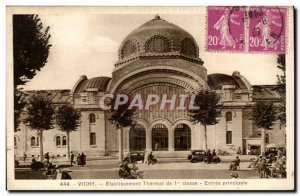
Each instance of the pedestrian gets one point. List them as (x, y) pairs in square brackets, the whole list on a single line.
[(83, 159), (214, 157), (262, 168), (151, 159), (79, 163), (47, 157), (72, 158), (24, 157), (239, 150), (61, 174), (209, 156), (33, 160), (237, 163), (145, 157), (156, 146)]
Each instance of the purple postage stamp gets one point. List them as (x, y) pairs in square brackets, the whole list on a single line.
[(226, 28), (267, 29)]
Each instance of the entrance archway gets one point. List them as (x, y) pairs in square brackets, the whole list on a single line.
[(137, 138), (159, 138), (182, 138)]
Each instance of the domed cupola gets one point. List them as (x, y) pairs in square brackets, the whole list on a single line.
[(158, 37)]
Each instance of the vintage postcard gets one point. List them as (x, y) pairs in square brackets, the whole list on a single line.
[(150, 98)]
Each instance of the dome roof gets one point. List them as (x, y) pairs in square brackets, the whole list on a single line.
[(217, 81), (158, 36), (99, 83)]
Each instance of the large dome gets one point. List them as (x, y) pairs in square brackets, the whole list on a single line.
[(157, 37)]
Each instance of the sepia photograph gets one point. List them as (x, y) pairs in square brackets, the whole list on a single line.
[(150, 98)]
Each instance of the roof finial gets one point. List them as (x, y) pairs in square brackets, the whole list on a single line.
[(157, 17)]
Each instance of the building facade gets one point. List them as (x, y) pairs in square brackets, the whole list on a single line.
[(156, 58)]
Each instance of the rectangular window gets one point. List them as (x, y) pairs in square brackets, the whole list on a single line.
[(228, 137), (15, 141), (92, 138), (64, 141)]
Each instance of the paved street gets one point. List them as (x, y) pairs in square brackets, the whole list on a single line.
[(165, 169)]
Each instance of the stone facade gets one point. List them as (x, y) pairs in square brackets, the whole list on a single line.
[(157, 58)]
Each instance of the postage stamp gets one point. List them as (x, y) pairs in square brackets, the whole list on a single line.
[(225, 28), (177, 102), (267, 29)]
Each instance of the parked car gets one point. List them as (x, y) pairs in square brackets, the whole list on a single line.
[(196, 156), (274, 151), (136, 156), (254, 151)]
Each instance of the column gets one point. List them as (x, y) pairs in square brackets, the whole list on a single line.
[(120, 133), (148, 140), (171, 139), (197, 137), (126, 139)]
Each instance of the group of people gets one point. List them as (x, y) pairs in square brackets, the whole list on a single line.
[(211, 157), (235, 165), (56, 173), (270, 166), (81, 159), (130, 172), (149, 158)]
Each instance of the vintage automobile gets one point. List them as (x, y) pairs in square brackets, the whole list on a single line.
[(274, 151), (135, 157), (196, 156)]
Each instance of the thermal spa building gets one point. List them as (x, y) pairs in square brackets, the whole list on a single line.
[(158, 58)]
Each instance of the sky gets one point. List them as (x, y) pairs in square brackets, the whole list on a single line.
[(87, 44)]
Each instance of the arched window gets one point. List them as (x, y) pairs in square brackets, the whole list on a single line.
[(128, 48), (182, 137), (57, 141), (267, 138), (64, 140), (15, 141), (188, 47), (92, 138), (158, 44), (32, 141), (228, 116), (92, 118), (159, 137)]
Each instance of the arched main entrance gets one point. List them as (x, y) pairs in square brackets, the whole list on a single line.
[(159, 138), (137, 137), (182, 137)]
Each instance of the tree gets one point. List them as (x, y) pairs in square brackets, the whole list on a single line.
[(30, 53), (208, 112), (39, 115), (282, 90), (121, 117), (68, 120), (263, 116)]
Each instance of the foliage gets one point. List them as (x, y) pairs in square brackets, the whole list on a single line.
[(39, 113), (263, 115), (122, 116), (282, 89), (30, 52), (19, 105), (30, 47), (67, 118), (208, 111)]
